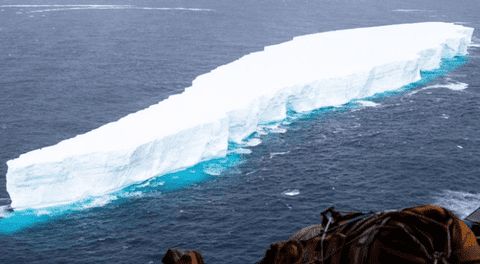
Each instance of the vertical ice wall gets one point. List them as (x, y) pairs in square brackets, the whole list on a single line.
[(228, 103)]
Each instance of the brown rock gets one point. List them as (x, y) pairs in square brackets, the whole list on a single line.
[(179, 256), (421, 234)]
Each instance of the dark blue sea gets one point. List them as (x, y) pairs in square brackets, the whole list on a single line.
[(70, 66)]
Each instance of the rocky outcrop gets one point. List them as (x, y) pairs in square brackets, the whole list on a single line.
[(179, 256), (421, 234)]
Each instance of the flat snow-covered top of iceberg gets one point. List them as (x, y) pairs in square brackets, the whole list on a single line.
[(293, 63)]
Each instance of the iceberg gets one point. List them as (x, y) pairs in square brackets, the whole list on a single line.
[(228, 104)]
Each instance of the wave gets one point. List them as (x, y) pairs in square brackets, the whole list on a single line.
[(454, 86), (462, 203), (411, 10), (97, 7)]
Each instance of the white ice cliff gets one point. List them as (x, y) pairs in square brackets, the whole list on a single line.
[(227, 104)]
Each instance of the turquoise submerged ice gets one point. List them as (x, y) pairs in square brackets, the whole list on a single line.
[(227, 104)]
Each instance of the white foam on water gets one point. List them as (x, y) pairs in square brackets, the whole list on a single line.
[(274, 128), (42, 212), (252, 142), (50, 8), (230, 103), (147, 183), (409, 10), (74, 8), (412, 93), (455, 86), (368, 103), (241, 151), (131, 194), (291, 192), (261, 132), (462, 203), (62, 6), (3, 210), (160, 183), (99, 201), (213, 169), (173, 8), (273, 154), (116, 8), (452, 86), (279, 130)]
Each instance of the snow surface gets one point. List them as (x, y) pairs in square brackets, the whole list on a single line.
[(228, 104)]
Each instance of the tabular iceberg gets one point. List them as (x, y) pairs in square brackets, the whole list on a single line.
[(228, 103)]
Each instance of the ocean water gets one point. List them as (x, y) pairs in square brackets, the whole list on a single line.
[(67, 67)]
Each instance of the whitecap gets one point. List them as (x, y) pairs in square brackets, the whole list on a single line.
[(273, 154), (275, 129), (462, 203), (457, 86), (452, 86), (27, 6), (408, 10), (291, 192), (368, 103), (279, 130), (115, 7), (50, 8)]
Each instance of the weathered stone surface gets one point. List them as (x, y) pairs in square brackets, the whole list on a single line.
[(179, 256), (421, 234)]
